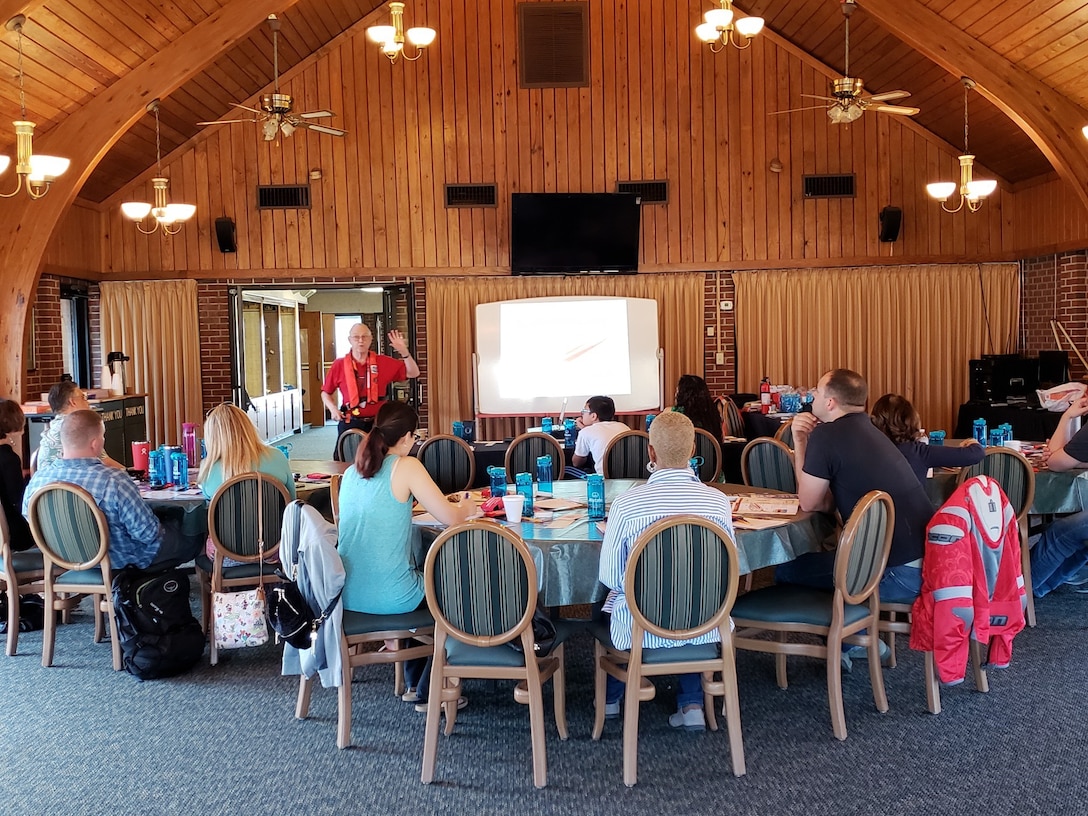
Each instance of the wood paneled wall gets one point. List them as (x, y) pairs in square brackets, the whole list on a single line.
[(659, 106), (76, 246)]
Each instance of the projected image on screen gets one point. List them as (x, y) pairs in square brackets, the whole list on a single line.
[(587, 351)]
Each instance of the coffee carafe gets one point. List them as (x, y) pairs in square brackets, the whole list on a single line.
[(115, 362)]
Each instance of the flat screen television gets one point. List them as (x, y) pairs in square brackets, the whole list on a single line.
[(555, 233)]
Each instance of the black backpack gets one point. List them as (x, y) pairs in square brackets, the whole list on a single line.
[(158, 633)]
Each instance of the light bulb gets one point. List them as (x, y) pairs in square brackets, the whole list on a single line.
[(381, 33), (136, 210), (750, 26), (421, 37), (941, 190), (719, 18)]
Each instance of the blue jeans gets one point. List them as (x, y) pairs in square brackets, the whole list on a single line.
[(899, 584), (1060, 553), (689, 690)]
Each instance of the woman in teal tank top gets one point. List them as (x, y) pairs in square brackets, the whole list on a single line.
[(376, 523)]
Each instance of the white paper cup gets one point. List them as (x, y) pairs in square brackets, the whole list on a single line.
[(513, 506)]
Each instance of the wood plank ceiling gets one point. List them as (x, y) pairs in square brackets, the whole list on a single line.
[(74, 50)]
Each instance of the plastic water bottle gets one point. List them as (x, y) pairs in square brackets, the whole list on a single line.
[(570, 433), (523, 486), (936, 437), (546, 425), (544, 473), (459, 429), (156, 468), (498, 480), (188, 440), (649, 421), (595, 496), (979, 431), (179, 471)]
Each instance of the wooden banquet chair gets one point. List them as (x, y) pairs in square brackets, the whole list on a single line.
[(334, 495), (785, 434), (481, 586), (236, 533), (627, 456), (1012, 470), (74, 538), (20, 572), (768, 463), (523, 451), (708, 448), (450, 461), (852, 610), (681, 583), (732, 421), (349, 443)]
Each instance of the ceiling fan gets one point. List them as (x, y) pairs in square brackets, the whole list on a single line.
[(274, 115), (846, 103)]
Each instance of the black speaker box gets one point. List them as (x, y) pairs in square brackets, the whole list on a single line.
[(891, 219), (225, 234)]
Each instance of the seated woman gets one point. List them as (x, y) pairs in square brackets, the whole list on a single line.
[(12, 483), (896, 418), (376, 526), (694, 400), (233, 449)]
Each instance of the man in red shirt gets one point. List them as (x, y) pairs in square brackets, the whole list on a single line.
[(362, 377)]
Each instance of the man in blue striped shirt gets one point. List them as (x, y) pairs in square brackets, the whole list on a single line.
[(672, 490), (136, 536)]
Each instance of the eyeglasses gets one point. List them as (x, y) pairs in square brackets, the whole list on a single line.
[(354, 337), (586, 411)]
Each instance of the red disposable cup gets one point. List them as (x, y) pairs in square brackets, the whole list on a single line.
[(139, 455)]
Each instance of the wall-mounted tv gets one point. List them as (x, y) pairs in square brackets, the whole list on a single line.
[(556, 233)]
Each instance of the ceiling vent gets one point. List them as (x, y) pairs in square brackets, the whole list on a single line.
[(283, 197), (836, 186), (649, 192), (471, 195), (553, 45)]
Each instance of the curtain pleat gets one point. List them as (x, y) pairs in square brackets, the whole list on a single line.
[(155, 323), (451, 322), (909, 330)]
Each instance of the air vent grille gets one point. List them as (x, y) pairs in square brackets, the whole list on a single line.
[(471, 195), (649, 192), (283, 196), (834, 186), (553, 45)]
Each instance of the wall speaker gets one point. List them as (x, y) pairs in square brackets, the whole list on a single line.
[(227, 237), (891, 219)]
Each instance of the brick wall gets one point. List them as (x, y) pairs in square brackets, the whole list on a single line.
[(721, 378), (1055, 287)]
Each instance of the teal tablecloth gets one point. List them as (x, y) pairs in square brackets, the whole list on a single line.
[(1055, 493)]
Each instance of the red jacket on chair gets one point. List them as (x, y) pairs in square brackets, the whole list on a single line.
[(972, 586)]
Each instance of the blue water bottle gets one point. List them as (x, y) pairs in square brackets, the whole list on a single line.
[(979, 432), (546, 425), (498, 480), (1006, 429), (570, 433), (523, 486), (936, 437), (544, 473), (179, 471), (595, 496), (997, 438), (459, 429), (156, 468), (649, 421)]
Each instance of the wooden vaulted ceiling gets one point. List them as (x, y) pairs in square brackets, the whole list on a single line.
[(74, 50)]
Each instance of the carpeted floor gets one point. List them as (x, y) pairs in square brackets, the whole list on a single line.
[(79, 737), (313, 443)]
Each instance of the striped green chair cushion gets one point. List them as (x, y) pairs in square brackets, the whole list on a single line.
[(785, 435), (733, 419), (704, 447), (235, 517), (449, 464), (681, 577), (866, 554), (523, 453), (348, 444), (481, 583), (1009, 472), (628, 456), (769, 466), (68, 526), (788, 603)]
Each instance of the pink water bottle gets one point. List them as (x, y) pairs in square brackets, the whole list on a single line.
[(188, 441)]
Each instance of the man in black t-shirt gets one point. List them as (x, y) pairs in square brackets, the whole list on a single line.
[(1062, 551), (839, 456)]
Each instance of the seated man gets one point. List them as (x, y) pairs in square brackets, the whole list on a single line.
[(64, 397), (671, 490), (597, 427), (839, 456), (1062, 552), (136, 536)]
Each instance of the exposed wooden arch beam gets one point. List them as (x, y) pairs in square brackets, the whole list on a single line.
[(26, 226), (1052, 121)]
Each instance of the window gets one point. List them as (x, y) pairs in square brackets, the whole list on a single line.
[(75, 333)]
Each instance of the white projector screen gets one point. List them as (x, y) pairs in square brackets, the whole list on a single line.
[(534, 353)]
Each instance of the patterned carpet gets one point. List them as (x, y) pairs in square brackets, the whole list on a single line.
[(78, 737)]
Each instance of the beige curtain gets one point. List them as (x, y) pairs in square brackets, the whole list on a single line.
[(451, 331), (155, 323), (908, 329)]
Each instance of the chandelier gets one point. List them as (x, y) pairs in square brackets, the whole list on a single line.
[(972, 190), (390, 38), (720, 28), (38, 172), (169, 217)]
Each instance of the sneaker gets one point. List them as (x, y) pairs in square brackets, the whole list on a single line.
[(611, 710), (862, 653), (690, 720), (411, 696), (462, 704)]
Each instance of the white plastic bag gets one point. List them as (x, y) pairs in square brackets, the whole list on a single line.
[(1061, 397)]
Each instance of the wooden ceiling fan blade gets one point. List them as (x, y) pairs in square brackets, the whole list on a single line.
[(889, 96), (798, 110), (323, 129), (817, 96), (902, 110), (317, 114), (227, 121), (246, 107)]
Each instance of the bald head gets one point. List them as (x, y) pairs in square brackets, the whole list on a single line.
[(672, 440), (360, 338), (82, 436)]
